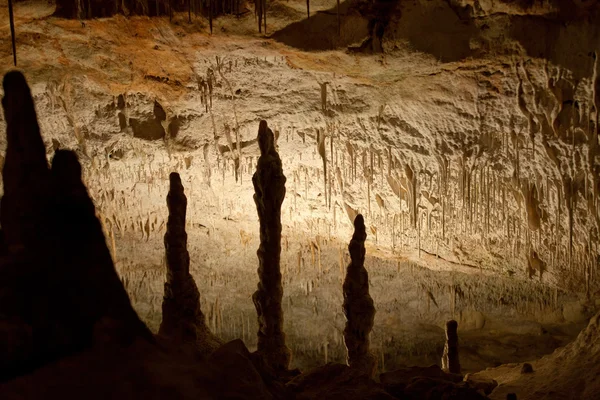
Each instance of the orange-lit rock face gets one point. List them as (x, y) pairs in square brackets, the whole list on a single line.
[(474, 140)]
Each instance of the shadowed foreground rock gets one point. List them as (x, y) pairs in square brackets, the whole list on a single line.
[(59, 291), (25, 174), (95, 301), (269, 187), (358, 304), (450, 362), (183, 320)]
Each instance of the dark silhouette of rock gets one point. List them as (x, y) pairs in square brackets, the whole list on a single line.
[(94, 300), (527, 368), (183, 320), (238, 376), (483, 385), (358, 304), (59, 291), (423, 388), (396, 381), (450, 362), (25, 173), (511, 396), (269, 187), (336, 381)]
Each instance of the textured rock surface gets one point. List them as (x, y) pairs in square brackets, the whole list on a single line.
[(442, 99), (269, 187), (358, 304), (569, 372), (183, 320), (450, 361)]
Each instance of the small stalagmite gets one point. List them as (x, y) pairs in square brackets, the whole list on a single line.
[(358, 304), (269, 187), (450, 361), (183, 320)]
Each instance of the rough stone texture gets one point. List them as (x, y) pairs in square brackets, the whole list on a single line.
[(450, 361), (183, 320), (358, 304), (269, 187)]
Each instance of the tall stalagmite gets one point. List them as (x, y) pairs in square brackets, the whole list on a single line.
[(269, 187), (450, 361), (60, 293), (358, 304), (183, 320), (25, 173)]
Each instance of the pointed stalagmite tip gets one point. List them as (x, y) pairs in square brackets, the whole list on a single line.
[(175, 179), (13, 81), (359, 221), (452, 326), (265, 137)]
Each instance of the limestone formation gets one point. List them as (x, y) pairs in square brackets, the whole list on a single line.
[(450, 362), (358, 304), (269, 187), (60, 291), (183, 320)]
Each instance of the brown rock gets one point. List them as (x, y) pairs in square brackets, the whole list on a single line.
[(358, 304), (269, 187), (527, 368), (483, 385), (183, 320), (336, 381), (395, 381)]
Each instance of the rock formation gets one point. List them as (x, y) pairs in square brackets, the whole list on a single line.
[(269, 187), (183, 320), (83, 255), (60, 291), (450, 361), (25, 173), (358, 304)]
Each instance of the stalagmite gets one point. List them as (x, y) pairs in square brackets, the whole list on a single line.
[(269, 186), (25, 172), (183, 320), (358, 305), (450, 362)]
